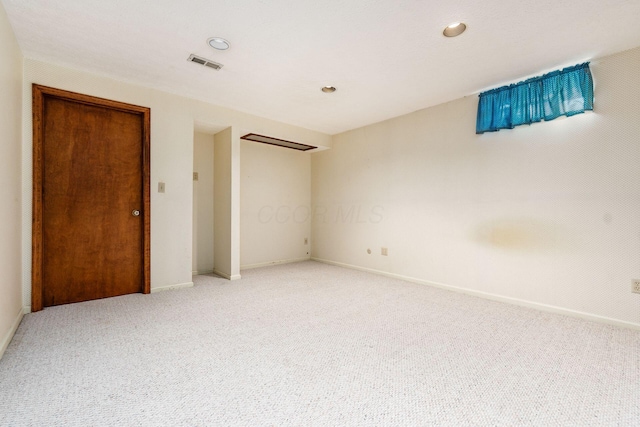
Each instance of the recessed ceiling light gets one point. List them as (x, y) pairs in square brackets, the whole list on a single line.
[(218, 43), (328, 89), (454, 29)]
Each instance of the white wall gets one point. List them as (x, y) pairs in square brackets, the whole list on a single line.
[(203, 201), (547, 214), (222, 205), (275, 203), (10, 190), (172, 127)]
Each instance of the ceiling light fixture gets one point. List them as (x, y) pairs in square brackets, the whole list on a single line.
[(276, 141), (218, 43), (454, 29), (328, 89)]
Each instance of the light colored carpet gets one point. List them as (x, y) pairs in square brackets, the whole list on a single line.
[(309, 344)]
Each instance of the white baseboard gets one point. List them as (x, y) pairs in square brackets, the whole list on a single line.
[(172, 287), (227, 276), (266, 264), (9, 335), (198, 272), (494, 297)]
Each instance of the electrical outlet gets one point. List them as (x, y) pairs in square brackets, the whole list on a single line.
[(636, 286), (195, 176), (161, 187), (385, 251)]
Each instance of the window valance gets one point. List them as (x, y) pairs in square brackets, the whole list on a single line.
[(559, 93)]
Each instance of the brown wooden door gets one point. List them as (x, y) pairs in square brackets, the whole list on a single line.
[(94, 198)]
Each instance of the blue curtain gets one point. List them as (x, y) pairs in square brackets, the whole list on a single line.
[(559, 93)]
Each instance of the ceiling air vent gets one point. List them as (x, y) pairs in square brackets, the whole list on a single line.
[(204, 61), (275, 141)]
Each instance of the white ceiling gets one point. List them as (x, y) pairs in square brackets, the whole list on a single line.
[(386, 57)]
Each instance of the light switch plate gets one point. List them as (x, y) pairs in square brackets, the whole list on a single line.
[(161, 187)]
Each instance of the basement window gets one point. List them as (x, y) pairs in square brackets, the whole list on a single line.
[(560, 93)]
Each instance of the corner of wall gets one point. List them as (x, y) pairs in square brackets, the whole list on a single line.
[(11, 195), (8, 336)]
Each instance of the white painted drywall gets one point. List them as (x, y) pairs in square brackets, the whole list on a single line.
[(275, 203), (548, 213), (222, 205), (226, 224), (172, 126), (10, 190), (203, 201), (235, 203)]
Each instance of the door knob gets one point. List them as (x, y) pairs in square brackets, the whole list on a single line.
[(135, 212)]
